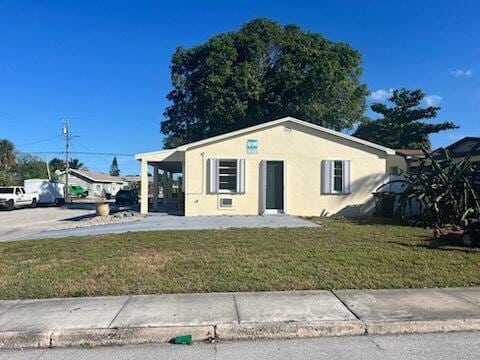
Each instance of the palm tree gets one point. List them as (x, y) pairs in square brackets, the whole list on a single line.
[(76, 164), (7, 155), (56, 164)]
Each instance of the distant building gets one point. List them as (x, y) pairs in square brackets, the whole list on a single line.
[(403, 160), (461, 148), (410, 159), (98, 184)]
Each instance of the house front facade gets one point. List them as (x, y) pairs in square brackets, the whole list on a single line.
[(283, 166)]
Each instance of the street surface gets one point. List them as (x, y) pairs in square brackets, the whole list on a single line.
[(463, 346)]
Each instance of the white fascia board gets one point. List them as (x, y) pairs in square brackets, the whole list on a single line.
[(152, 154)]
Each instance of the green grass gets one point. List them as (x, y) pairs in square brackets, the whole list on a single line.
[(339, 254)]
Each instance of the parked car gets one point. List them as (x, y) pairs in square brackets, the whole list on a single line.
[(78, 191), (12, 197), (126, 197), (49, 192)]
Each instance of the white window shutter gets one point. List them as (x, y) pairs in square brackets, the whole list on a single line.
[(347, 183), (212, 165), (241, 176), (326, 176)]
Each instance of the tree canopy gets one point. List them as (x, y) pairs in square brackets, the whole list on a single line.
[(262, 72), (400, 127), (76, 164), (30, 167), (59, 164), (56, 164)]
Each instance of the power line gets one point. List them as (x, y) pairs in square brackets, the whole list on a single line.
[(80, 153), (40, 141)]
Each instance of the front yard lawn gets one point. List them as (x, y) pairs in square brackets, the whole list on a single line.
[(340, 254)]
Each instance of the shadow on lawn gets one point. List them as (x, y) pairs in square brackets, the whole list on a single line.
[(363, 220), (378, 221), (440, 244)]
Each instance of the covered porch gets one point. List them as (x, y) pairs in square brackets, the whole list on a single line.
[(166, 193)]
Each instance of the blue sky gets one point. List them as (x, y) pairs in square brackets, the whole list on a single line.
[(105, 64)]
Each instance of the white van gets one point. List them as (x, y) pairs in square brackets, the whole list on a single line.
[(49, 191)]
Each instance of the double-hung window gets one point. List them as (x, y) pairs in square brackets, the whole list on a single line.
[(335, 177), (226, 176), (338, 176)]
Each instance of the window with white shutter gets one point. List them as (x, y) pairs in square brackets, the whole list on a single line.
[(336, 177), (226, 175)]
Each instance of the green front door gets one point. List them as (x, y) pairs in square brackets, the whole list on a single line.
[(274, 185)]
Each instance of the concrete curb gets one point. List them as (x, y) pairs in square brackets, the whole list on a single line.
[(249, 331), (24, 339), (421, 326), (288, 330), (101, 337)]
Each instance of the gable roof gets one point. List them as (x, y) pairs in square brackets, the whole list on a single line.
[(96, 176), (453, 148), (410, 152), (273, 123)]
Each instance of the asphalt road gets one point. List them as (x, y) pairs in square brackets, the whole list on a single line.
[(428, 346)]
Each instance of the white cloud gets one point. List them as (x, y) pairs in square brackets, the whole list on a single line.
[(462, 72), (380, 95), (432, 100)]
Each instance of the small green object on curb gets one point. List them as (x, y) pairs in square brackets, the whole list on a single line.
[(183, 339)]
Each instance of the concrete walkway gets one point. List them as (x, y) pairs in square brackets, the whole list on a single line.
[(156, 222), (157, 318)]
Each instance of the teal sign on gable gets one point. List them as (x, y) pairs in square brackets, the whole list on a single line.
[(252, 146)]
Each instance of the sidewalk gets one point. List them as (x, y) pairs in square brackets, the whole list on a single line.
[(157, 318)]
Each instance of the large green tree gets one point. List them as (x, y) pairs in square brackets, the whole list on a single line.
[(262, 72), (30, 167), (400, 126)]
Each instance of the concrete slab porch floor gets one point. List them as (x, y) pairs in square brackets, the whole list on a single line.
[(123, 320), (157, 221)]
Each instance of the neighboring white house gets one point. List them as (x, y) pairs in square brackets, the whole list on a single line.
[(98, 184)]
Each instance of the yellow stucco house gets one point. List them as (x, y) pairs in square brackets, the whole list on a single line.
[(283, 166)]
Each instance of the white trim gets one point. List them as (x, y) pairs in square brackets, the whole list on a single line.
[(273, 212), (153, 153)]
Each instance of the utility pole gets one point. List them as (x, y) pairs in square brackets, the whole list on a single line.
[(48, 168), (66, 134), (68, 137)]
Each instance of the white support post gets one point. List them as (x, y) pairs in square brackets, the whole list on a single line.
[(144, 188), (155, 188)]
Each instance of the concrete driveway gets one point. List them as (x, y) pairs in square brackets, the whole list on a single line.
[(156, 222), (20, 223)]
